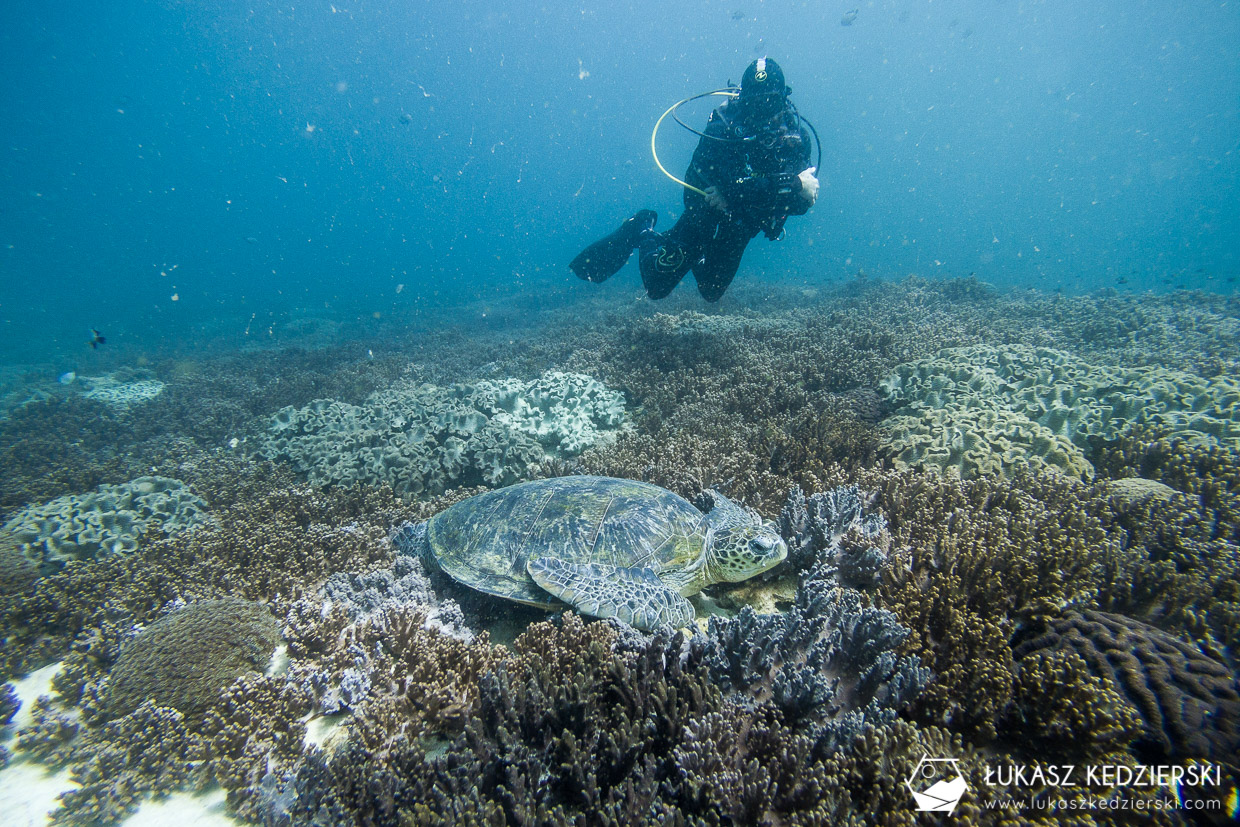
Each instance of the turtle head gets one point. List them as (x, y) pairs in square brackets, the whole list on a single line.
[(738, 544)]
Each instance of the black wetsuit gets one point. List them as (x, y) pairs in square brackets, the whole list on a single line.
[(755, 169)]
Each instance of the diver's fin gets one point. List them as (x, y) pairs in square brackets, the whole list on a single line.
[(635, 595), (604, 258)]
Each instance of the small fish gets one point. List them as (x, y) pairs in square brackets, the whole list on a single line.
[(405, 117), (96, 339), (67, 377), (738, 15), (249, 239), (849, 17)]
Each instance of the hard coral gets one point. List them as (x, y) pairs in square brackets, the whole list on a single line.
[(1188, 700), (970, 558), (184, 659), (60, 446), (147, 751), (255, 727)]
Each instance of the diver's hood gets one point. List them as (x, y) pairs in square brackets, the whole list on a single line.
[(763, 93)]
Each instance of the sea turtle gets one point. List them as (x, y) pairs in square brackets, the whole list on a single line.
[(608, 547)]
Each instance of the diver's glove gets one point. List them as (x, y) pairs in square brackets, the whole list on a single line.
[(715, 199), (809, 185)]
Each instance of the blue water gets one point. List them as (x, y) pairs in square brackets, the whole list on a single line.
[(179, 171)]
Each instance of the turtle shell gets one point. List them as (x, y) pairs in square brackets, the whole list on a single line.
[(484, 542)]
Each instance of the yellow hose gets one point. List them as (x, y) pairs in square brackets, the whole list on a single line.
[(654, 133)]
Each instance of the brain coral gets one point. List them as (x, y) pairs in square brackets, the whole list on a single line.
[(425, 439), (1188, 700), (1006, 409), (184, 659), (109, 520)]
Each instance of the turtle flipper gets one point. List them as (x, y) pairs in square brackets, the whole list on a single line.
[(635, 595)]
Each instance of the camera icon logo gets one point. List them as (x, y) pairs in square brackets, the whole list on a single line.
[(937, 784)]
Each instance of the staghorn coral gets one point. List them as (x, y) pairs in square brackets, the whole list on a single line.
[(51, 738), (425, 684), (281, 542), (968, 559), (254, 728), (9, 703), (570, 729), (1181, 567), (62, 445), (17, 571), (1060, 708), (1188, 701), (184, 659), (41, 626)]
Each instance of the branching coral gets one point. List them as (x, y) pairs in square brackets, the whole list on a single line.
[(969, 559), (255, 727), (147, 751), (828, 665), (61, 446)]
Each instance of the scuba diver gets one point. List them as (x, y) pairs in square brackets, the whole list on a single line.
[(750, 171)]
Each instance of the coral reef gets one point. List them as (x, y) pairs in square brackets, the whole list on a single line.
[(987, 409), (1181, 570), (17, 571), (1188, 700), (121, 393), (9, 703), (271, 541), (422, 440), (61, 445), (570, 728), (115, 767), (828, 665), (816, 526), (184, 659), (405, 584), (50, 739), (810, 716), (256, 727), (110, 520), (969, 558), (1061, 709)]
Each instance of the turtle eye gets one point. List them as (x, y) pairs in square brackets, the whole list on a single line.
[(763, 544)]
